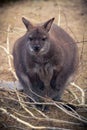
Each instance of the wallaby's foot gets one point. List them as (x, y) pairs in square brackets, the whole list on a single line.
[(57, 98), (43, 108), (70, 107)]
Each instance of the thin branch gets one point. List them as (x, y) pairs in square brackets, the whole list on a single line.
[(6, 51), (15, 127), (68, 25), (21, 121), (59, 16), (82, 92), (74, 114), (46, 119), (74, 95), (23, 106), (82, 50)]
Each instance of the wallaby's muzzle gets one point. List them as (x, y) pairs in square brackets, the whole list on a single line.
[(36, 48)]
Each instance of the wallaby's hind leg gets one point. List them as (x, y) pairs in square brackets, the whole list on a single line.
[(61, 83), (58, 85)]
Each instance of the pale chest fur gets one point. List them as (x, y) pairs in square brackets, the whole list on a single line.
[(45, 72)]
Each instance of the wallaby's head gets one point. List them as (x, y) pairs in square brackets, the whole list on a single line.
[(38, 37)]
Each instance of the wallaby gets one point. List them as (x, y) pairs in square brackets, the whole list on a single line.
[(45, 59)]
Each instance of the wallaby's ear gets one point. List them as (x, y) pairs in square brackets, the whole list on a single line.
[(27, 23), (47, 25)]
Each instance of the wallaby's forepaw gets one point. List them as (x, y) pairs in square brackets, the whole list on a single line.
[(43, 108), (46, 74)]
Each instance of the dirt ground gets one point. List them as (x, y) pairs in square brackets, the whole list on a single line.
[(70, 15)]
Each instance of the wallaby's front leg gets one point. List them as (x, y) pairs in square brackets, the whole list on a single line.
[(27, 85), (25, 82)]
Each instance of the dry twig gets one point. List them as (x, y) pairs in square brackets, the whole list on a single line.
[(82, 92)]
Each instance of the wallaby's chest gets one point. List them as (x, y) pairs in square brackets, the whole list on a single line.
[(37, 68), (44, 71)]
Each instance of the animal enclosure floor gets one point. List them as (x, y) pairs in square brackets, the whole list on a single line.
[(71, 16)]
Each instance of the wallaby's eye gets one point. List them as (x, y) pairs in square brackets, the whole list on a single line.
[(30, 38), (44, 38)]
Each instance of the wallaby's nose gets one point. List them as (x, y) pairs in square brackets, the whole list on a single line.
[(36, 48)]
